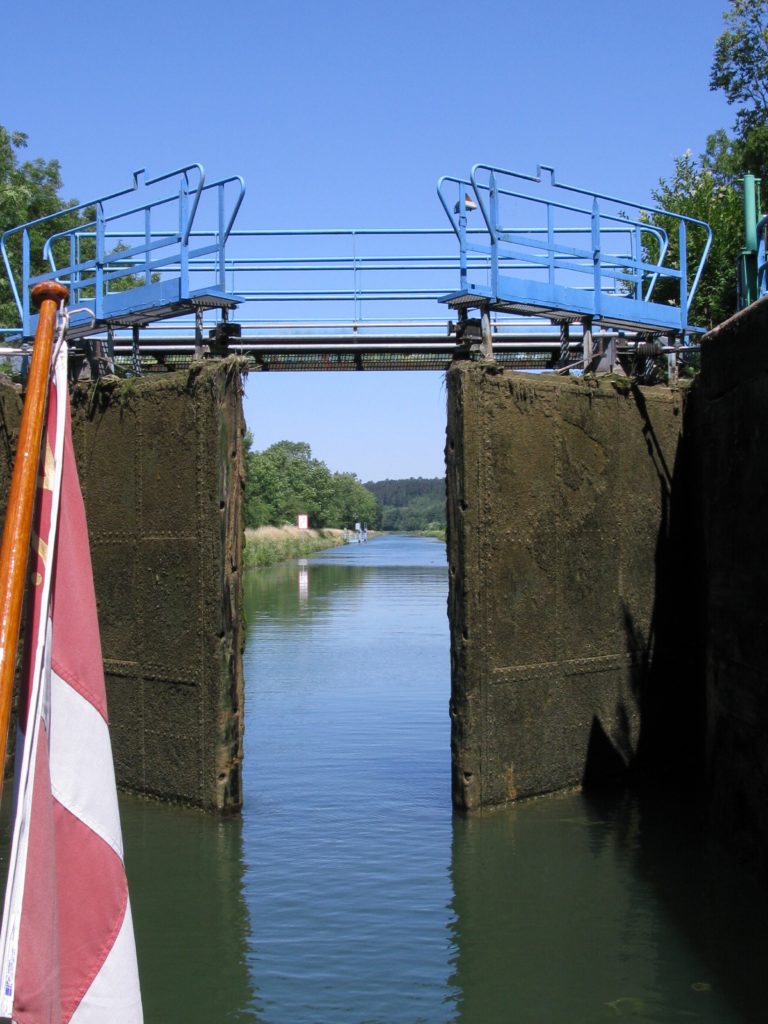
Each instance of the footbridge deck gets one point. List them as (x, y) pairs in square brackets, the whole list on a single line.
[(569, 254), (157, 270)]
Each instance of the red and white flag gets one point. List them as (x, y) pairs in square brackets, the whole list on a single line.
[(67, 951)]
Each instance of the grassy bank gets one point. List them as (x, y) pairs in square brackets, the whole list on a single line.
[(437, 534), (269, 545)]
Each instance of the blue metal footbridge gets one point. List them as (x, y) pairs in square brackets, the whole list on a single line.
[(529, 271)]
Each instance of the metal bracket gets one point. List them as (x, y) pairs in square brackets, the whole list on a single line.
[(588, 351), (565, 344), (135, 351), (222, 336), (201, 349), (486, 343), (469, 337)]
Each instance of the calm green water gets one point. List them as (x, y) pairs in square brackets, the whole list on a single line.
[(349, 894)]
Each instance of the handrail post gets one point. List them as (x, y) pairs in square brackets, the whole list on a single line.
[(493, 196), (26, 315), (220, 251), (184, 228), (683, 247), (17, 530), (463, 269), (98, 302), (551, 244), (596, 259), (147, 242), (74, 258)]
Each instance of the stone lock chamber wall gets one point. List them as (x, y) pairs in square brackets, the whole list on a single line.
[(566, 499), (161, 468), (608, 585), (160, 460)]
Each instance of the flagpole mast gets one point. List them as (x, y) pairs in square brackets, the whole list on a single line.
[(17, 531)]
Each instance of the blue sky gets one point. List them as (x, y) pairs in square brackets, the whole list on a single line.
[(344, 114)]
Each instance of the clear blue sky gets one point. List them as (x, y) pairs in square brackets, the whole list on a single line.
[(345, 114)]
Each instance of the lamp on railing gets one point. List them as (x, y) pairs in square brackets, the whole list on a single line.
[(469, 204)]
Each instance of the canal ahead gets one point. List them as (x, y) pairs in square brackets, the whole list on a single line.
[(349, 894)]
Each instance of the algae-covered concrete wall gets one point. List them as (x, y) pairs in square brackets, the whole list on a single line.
[(10, 418), (732, 400), (160, 462), (564, 499)]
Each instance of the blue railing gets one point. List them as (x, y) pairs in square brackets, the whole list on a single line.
[(150, 242), (360, 281), (132, 263), (602, 259), (357, 281), (762, 262)]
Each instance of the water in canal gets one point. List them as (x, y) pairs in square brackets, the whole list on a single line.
[(350, 894)]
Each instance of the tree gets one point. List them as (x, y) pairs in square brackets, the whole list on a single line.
[(740, 64), (284, 480), (694, 190), (28, 190), (740, 70), (710, 187)]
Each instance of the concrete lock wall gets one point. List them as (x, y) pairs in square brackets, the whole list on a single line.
[(566, 499), (10, 418), (161, 467)]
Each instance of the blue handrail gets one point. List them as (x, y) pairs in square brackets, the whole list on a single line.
[(370, 279), (548, 269), (762, 262), (96, 259)]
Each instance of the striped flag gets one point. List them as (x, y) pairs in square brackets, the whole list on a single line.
[(67, 950)]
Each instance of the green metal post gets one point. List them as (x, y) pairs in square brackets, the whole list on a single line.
[(749, 252)]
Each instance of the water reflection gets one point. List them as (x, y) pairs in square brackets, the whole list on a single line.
[(185, 872), (706, 897), (347, 819), (579, 908), (348, 893)]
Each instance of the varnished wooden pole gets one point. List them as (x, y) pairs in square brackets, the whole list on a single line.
[(17, 531)]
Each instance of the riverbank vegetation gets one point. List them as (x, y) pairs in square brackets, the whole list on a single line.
[(438, 534), (268, 545), (285, 481)]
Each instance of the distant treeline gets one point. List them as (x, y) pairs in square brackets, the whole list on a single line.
[(284, 481), (412, 504)]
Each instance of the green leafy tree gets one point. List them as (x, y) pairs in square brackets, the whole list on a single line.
[(710, 187), (740, 70), (740, 63), (28, 189), (350, 502), (696, 191), (284, 480), (31, 189)]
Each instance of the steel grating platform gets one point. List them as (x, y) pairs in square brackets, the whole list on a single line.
[(332, 362)]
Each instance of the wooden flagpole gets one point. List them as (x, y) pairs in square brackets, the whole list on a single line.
[(17, 531)]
